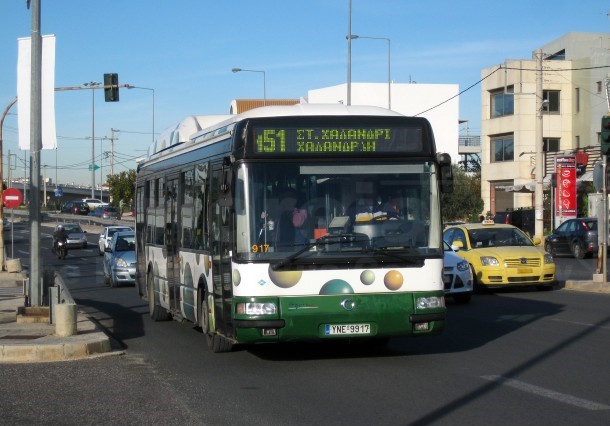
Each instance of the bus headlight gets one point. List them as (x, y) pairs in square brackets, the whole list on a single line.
[(256, 308), (430, 302)]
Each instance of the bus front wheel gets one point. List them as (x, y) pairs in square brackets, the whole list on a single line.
[(215, 341)]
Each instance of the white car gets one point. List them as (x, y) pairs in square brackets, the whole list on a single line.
[(93, 203), (107, 234), (457, 276)]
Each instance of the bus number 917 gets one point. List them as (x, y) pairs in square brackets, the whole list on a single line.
[(260, 248)]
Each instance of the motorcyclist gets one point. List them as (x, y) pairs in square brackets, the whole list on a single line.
[(60, 234)]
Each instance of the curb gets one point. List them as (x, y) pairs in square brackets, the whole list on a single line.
[(37, 342), (588, 286)]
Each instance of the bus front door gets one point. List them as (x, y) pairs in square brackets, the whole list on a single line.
[(220, 237)]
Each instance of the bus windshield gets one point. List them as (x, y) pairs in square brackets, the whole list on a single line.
[(335, 211)]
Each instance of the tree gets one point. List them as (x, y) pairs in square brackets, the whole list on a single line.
[(465, 202), (122, 188)]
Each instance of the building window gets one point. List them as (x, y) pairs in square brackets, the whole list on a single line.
[(502, 148), (502, 102), (577, 96), (550, 144), (552, 96), (599, 86)]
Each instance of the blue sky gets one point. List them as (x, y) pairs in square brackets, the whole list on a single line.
[(185, 51)]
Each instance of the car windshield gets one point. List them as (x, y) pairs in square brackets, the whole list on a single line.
[(497, 237), (113, 231), (72, 228), (125, 243)]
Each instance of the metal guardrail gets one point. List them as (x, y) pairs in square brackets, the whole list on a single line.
[(126, 220)]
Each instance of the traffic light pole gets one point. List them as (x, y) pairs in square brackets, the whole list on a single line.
[(603, 230)]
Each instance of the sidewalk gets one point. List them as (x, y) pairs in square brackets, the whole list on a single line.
[(30, 337)]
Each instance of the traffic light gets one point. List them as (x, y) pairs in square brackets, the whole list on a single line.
[(111, 87), (605, 136)]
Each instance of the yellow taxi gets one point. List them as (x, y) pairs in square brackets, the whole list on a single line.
[(501, 255)]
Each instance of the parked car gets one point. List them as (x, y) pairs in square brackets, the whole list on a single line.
[(502, 255), (94, 202), (524, 219), (576, 237), (77, 238), (120, 259), (457, 276), (105, 212), (75, 207), (107, 234)]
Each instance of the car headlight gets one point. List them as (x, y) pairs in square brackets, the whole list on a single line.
[(462, 266), (548, 258), (255, 308), (489, 261), (429, 302), (121, 263)]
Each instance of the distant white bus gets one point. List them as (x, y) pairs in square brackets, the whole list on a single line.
[(253, 227)]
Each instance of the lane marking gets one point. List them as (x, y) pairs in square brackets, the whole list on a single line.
[(584, 324), (547, 393)]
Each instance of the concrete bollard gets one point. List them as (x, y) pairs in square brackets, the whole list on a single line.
[(65, 319), (13, 265)]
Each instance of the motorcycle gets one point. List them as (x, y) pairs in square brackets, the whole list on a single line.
[(61, 250)]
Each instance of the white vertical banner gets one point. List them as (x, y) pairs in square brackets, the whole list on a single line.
[(47, 87)]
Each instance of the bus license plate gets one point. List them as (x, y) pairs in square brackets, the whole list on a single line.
[(342, 329)]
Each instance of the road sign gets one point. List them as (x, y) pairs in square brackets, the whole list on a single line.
[(59, 192), (12, 197), (95, 167)]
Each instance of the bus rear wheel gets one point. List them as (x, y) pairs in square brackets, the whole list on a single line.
[(157, 313), (215, 342)]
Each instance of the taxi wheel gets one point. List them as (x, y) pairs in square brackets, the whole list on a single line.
[(577, 251)]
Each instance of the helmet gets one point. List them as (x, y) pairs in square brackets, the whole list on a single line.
[(60, 227)]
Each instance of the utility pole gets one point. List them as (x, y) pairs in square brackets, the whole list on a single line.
[(112, 151), (539, 223), (35, 285)]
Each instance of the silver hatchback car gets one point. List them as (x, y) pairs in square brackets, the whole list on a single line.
[(120, 259)]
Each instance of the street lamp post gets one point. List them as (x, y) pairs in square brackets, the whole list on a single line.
[(349, 54), (92, 85), (353, 37), (264, 81)]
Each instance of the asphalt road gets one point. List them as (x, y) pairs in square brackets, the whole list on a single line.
[(508, 358)]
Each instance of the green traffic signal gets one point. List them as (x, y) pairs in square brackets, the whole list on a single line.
[(111, 87), (605, 136)]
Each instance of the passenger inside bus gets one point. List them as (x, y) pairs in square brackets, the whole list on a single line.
[(292, 224)]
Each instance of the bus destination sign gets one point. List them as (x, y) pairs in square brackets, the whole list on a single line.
[(336, 140)]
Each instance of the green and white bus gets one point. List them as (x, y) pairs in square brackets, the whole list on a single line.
[(256, 226)]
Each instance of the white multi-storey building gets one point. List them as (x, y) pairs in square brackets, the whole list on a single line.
[(574, 73)]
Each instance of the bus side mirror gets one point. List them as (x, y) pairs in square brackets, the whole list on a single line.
[(446, 172), (225, 198)]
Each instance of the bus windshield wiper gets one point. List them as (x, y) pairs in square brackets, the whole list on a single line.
[(296, 254), (410, 260), (325, 239)]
